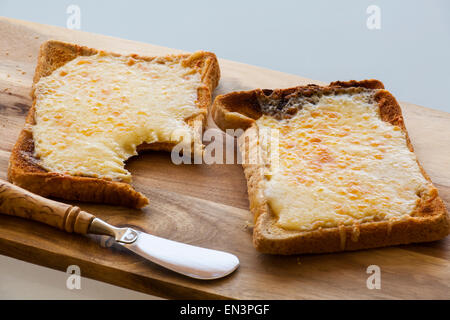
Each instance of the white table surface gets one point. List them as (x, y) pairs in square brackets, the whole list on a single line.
[(324, 40), (23, 280)]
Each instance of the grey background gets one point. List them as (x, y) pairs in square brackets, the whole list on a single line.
[(323, 39)]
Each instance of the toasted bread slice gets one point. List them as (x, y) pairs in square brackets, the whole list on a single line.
[(28, 172), (427, 220)]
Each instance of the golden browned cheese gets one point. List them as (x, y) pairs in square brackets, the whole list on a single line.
[(339, 164), (94, 111)]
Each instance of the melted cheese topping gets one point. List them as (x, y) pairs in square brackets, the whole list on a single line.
[(94, 111), (340, 164)]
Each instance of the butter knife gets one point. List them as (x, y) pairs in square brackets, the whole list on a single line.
[(192, 261)]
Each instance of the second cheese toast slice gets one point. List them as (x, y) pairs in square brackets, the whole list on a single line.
[(331, 169), (92, 110)]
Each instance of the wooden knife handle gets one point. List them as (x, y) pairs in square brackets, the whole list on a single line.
[(19, 202)]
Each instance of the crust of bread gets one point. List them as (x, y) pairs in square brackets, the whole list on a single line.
[(430, 221), (23, 169)]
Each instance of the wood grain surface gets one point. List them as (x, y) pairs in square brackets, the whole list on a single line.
[(207, 205)]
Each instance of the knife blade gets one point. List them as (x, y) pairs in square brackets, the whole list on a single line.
[(192, 261), (189, 260)]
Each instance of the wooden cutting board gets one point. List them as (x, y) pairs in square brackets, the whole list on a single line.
[(207, 205)]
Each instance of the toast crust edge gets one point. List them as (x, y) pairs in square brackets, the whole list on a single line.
[(430, 221), (23, 169)]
